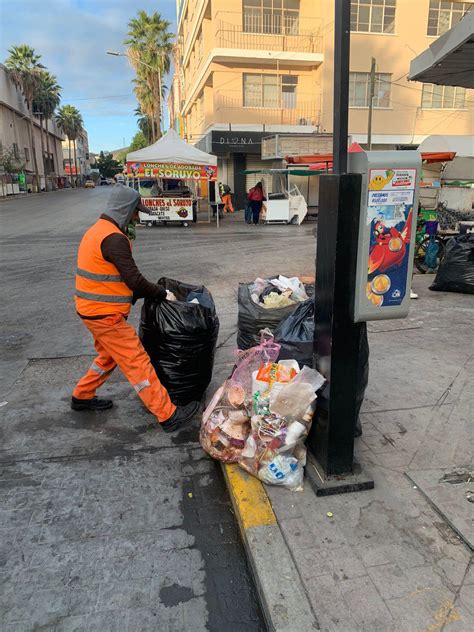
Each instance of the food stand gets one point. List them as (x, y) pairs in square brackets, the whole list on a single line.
[(167, 174), (283, 201)]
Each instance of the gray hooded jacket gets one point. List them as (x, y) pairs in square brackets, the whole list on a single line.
[(121, 204), (116, 248)]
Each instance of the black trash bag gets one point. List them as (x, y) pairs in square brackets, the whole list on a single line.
[(295, 334), (362, 375), (180, 338), (456, 270), (252, 318)]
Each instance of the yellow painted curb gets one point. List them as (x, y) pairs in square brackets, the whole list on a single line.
[(249, 497)]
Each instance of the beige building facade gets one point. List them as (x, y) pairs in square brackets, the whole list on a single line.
[(15, 136), (249, 69)]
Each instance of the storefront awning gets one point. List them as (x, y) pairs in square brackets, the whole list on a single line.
[(449, 61)]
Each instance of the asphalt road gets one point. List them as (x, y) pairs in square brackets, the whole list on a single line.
[(107, 523), (40, 235)]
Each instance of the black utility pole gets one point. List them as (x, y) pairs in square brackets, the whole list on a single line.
[(342, 43), (337, 337)]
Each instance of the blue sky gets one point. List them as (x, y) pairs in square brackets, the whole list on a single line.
[(73, 36)]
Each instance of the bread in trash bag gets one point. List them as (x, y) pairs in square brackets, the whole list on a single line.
[(225, 424)]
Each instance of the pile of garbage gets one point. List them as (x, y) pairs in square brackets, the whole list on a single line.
[(456, 270), (275, 293), (264, 303), (261, 415)]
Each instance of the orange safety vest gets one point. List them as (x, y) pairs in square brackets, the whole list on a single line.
[(99, 287)]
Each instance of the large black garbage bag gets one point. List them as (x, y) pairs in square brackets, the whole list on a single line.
[(252, 318), (456, 270), (295, 334), (180, 338)]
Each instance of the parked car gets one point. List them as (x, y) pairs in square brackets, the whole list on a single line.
[(110, 181), (103, 182), (89, 184)]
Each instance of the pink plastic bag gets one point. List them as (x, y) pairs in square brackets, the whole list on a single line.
[(252, 359)]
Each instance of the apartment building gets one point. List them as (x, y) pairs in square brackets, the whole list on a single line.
[(15, 135), (251, 69), (83, 164)]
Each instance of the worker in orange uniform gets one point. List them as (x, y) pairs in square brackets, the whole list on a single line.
[(226, 197), (107, 283)]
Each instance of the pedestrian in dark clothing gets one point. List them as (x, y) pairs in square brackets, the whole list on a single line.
[(255, 198)]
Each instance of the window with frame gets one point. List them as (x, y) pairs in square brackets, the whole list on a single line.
[(269, 91), (27, 154), (442, 97), (16, 152), (274, 17), (444, 15), (359, 90), (373, 16)]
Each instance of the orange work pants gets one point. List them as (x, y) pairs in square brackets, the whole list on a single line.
[(227, 202), (117, 343)]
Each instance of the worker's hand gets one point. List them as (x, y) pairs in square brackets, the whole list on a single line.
[(170, 296)]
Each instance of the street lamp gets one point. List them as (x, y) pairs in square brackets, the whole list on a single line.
[(157, 70)]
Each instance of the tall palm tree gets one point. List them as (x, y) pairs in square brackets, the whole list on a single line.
[(69, 120), (45, 102), (150, 42), (24, 68)]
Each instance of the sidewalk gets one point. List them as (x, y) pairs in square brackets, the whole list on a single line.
[(388, 561)]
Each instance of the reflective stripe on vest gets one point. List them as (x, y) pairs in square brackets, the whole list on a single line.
[(98, 277), (104, 298), (100, 289)]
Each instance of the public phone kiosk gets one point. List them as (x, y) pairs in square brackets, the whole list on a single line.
[(387, 228)]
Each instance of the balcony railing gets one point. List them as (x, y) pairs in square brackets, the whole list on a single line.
[(259, 35), (230, 108)]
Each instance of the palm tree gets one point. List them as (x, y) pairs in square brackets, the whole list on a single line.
[(149, 49), (145, 124), (45, 102), (24, 68), (69, 120)]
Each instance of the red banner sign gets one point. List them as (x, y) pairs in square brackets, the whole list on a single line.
[(171, 171)]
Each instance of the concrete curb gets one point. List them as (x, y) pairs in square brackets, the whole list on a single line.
[(282, 595)]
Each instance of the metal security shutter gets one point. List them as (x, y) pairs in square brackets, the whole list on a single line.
[(225, 171), (253, 163)]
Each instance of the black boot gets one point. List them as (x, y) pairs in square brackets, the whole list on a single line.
[(180, 417), (91, 404)]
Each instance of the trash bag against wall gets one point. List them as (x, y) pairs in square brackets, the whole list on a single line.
[(295, 334), (253, 318), (180, 337), (456, 270)]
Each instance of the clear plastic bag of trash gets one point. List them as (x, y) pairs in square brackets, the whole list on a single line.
[(292, 400), (293, 284), (225, 424), (283, 401)]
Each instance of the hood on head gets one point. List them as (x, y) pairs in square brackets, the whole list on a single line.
[(121, 204)]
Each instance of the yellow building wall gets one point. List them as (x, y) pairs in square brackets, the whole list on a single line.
[(393, 54)]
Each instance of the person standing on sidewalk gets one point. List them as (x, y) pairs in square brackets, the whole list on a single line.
[(108, 282), (255, 197)]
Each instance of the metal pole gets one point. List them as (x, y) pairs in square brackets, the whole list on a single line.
[(342, 34), (337, 339), (371, 104)]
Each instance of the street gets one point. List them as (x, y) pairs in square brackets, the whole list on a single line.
[(107, 523)]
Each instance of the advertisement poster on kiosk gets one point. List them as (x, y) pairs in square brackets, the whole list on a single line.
[(390, 214)]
